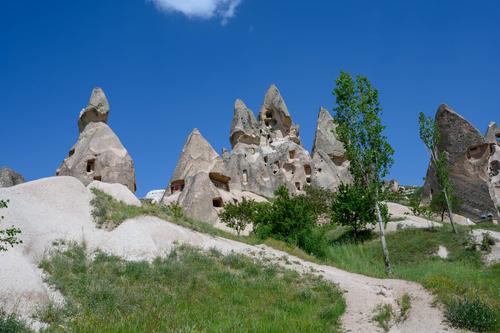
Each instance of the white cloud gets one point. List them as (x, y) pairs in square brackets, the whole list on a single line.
[(205, 9)]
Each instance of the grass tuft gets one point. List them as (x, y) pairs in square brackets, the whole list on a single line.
[(10, 324), (383, 316), (472, 314)]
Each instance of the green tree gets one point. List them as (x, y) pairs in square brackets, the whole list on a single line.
[(438, 204), (353, 206), (430, 136), (320, 200), (238, 215), (357, 115), (8, 236)]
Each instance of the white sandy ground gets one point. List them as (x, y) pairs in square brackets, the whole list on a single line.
[(57, 208)]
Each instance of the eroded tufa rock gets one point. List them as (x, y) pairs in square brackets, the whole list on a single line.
[(470, 156), (9, 177), (98, 154)]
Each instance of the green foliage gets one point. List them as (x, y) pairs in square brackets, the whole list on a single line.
[(319, 199), (405, 306), (383, 316), (8, 237), (487, 242), (359, 126), (353, 206), (188, 291), (438, 203), (238, 215), (288, 218), (472, 314), (10, 324), (415, 200), (176, 210)]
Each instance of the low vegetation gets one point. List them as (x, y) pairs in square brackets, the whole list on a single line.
[(383, 316), (188, 291), (9, 236), (10, 324)]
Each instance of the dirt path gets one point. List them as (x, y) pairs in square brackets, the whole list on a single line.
[(52, 209)]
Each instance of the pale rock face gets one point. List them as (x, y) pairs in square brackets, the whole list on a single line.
[(154, 195), (9, 177), (331, 166), (266, 154), (470, 157), (200, 183), (98, 154), (96, 111)]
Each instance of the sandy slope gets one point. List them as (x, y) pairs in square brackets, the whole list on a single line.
[(58, 208)]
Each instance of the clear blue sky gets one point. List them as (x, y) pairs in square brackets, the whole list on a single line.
[(168, 71)]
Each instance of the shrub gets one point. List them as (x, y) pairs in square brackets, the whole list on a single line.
[(487, 242), (238, 215), (288, 218), (176, 210), (8, 236), (471, 313)]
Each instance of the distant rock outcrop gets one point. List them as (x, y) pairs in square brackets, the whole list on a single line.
[(472, 160), (98, 154), (266, 153), (9, 177)]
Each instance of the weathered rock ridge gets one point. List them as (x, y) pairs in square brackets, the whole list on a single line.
[(474, 162), (266, 153), (9, 177), (98, 154)]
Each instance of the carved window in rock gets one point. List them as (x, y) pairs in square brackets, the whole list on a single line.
[(219, 180), (71, 152), (477, 152), (291, 154), (290, 168), (245, 177), (497, 136), (91, 165), (298, 186), (98, 178), (218, 202), (276, 167), (177, 185)]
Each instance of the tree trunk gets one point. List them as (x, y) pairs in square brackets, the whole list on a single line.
[(450, 213), (385, 251)]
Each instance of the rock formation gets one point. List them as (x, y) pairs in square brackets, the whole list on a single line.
[(266, 153), (200, 183), (473, 159), (98, 154), (9, 177)]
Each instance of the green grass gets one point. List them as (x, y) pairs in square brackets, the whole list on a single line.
[(487, 226), (10, 324), (383, 316), (189, 291), (412, 256)]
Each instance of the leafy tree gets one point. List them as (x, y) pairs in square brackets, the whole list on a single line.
[(438, 204), (238, 215), (8, 236), (320, 200), (414, 201), (353, 206), (430, 136), (357, 114)]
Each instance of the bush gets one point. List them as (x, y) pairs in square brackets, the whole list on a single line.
[(288, 218), (383, 316), (472, 314), (487, 242)]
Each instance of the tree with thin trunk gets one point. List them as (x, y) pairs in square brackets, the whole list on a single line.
[(357, 115), (430, 136), (8, 236)]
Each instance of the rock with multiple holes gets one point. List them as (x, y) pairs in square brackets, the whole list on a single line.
[(200, 183), (266, 153), (9, 177), (98, 154), (473, 159)]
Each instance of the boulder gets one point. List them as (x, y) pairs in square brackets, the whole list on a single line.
[(96, 111), (468, 154), (117, 191), (98, 154), (154, 195), (9, 177)]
